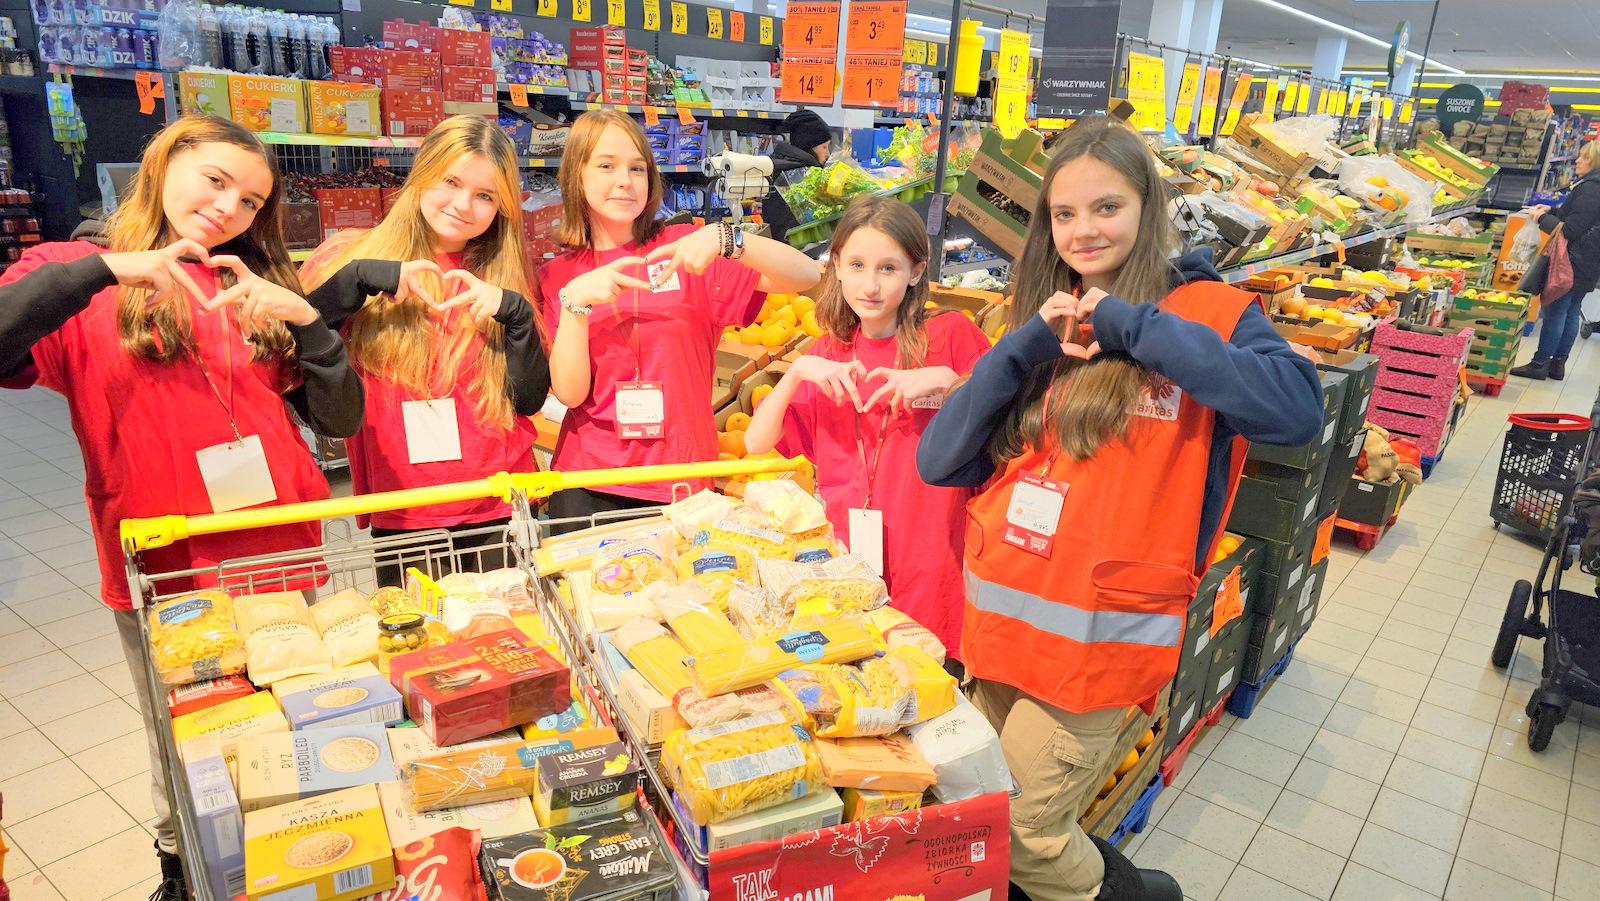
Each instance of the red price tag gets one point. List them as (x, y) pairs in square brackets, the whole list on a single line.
[(685, 115), (872, 81), (876, 28), (651, 117), (151, 87), (1230, 602), (807, 81), (736, 26), (519, 94)]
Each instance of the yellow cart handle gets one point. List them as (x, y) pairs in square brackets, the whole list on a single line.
[(161, 531)]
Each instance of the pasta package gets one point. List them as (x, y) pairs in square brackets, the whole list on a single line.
[(756, 613), (849, 579), (193, 637), (818, 549), (881, 763), (493, 773), (716, 567), (894, 629), (881, 696), (785, 506), (760, 542), (732, 769), (698, 512), (348, 626), (625, 567), (280, 638), (658, 657), (964, 751), (755, 662), (476, 614), (699, 625)]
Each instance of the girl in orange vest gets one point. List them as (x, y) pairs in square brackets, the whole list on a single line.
[(1107, 429)]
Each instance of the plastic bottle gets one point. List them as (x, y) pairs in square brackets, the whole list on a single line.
[(316, 50), (277, 44), (256, 28), (225, 25), (210, 48)]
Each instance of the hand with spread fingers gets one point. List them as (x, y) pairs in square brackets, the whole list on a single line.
[(411, 285), (901, 387), (481, 299), (260, 302), (694, 253), (604, 284), (159, 271), (1075, 312), (835, 379)]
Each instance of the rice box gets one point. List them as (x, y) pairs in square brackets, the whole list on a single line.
[(576, 785), (467, 689), (228, 722), (409, 743), (333, 847), (492, 819), (264, 103), (279, 768), (346, 696), (350, 110), (204, 94), (219, 823), (612, 857)]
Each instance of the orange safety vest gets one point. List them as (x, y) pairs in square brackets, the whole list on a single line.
[(1099, 623)]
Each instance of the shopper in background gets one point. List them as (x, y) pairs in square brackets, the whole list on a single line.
[(637, 311), (809, 146), (858, 400), (1579, 219), (176, 349), (1104, 427), (436, 316)]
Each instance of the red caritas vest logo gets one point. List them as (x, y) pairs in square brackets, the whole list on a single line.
[(1159, 399)]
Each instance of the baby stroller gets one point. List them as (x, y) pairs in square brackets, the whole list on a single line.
[(1571, 635)]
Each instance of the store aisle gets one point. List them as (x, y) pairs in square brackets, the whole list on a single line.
[(1390, 762)]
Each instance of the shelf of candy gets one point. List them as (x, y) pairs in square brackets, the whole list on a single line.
[(762, 670)]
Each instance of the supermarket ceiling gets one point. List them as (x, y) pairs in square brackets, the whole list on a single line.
[(1474, 35)]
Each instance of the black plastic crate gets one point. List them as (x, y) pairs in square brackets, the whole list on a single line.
[(1282, 557), (1362, 368), (1539, 471), (1315, 452), (1373, 503), (1268, 643), (1341, 468), (1227, 649), (1261, 511)]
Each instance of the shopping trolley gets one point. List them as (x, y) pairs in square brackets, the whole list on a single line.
[(347, 561), (1571, 636), (1541, 464)]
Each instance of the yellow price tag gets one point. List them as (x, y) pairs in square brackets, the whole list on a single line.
[(766, 30), (617, 13), (460, 2), (580, 10), (547, 8), (713, 22), (503, 6), (680, 18), (652, 15)]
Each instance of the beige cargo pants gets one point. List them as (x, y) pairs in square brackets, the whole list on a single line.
[(1059, 760)]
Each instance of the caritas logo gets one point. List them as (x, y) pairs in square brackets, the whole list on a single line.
[(1159, 399)]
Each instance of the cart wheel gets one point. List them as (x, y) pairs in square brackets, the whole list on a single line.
[(1511, 626), (1541, 725), (1585, 329)]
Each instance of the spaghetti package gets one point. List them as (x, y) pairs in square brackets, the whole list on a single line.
[(659, 657), (849, 579), (280, 638), (754, 662), (699, 625), (736, 768), (697, 512), (492, 773), (879, 697), (894, 629), (716, 567), (785, 507), (475, 614), (348, 626), (193, 637)]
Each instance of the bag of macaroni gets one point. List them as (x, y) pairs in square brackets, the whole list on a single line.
[(946, 852)]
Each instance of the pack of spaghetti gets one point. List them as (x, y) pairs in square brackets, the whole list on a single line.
[(494, 772), (716, 566), (849, 579), (894, 629), (659, 657), (754, 662), (193, 637), (878, 697), (697, 622), (728, 770), (785, 507)]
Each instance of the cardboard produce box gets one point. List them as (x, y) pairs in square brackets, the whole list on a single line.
[(204, 94), (262, 103), (411, 114), (1266, 148), (345, 109)]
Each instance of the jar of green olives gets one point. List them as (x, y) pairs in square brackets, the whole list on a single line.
[(399, 633)]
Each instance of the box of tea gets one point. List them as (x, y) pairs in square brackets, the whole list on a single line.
[(611, 857), (467, 689)]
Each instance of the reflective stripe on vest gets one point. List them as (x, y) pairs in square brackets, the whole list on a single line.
[(1082, 626)]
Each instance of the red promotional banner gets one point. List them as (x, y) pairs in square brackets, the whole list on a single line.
[(948, 852)]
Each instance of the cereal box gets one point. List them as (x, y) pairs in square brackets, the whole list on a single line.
[(492, 820), (577, 785), (218, 821), (352, 110), (332, 847), (226, 723), (204, 94), (466, 689), (263, 103), (349, 695)]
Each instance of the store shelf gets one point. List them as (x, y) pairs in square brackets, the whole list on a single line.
[(273, 137), (541, 90), (699, 112), (972, 266), (96, 72), (1240, 273)]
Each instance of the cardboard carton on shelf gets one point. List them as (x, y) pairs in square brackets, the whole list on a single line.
[(264, 103)]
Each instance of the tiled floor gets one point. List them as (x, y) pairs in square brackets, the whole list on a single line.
[(1388, 763)]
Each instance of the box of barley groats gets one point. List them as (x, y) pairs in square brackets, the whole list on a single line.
[(333, 847)]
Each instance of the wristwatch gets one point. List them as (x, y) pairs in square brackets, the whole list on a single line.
[(738, 243)]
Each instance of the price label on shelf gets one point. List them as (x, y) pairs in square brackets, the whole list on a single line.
[(580, 10), (652, 15), (736, 26), (766, 30), (152, 87), (807, 80), (461, 2), (915, 53), (872, 81), (547, 8), (519, 94), (617, 13), (714, 22), (503, 6), (680, 18), (876, 28), (685, 115), (651, 117), (811, 29)]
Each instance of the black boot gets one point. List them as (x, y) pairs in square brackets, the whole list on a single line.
[(1126, 882), (1536, 371), (1558, 368), (173, 887)]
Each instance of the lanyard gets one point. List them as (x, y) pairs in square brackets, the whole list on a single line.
[(227, 362), (633, 339), (883, 438)]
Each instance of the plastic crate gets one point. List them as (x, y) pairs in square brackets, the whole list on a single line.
[(1138, 816), (1245, 695), (1539, 471)]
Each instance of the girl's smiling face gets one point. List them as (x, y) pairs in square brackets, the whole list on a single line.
[(615, 179), (1094, 219)]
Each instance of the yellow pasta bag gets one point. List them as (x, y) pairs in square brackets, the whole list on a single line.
[(659, 658), (193, 638), (698, 512), (624, 567), (756, 614), (699, 625), (848, 579), (716, 567), (817, 549), (785, 507), (736, 768), (894, 629), (755, 662), (933, 689), (760, 542), (879, 697)]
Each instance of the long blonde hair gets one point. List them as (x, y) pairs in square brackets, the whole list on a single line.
[(1090, 403), (903, 226), (396, 341), (162, 330), (573, 232)]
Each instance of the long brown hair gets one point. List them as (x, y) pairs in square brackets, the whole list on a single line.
[(162, 330), (1090, 402), (395, 341), (907, 230), (573, 232)]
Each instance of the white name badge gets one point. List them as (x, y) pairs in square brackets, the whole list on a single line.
[(641, 410), (1034, 513), (432, 433), (866, 536), (236, 474)]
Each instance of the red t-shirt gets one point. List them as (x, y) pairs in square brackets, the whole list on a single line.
[(140, 422), (668, 336), (923, 525), (380, 459)]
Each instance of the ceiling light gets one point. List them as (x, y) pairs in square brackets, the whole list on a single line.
[(1361, 35)]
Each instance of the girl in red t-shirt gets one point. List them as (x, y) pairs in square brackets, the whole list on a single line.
[(176, 372), (856, 404), (450, 382), (637, 311)]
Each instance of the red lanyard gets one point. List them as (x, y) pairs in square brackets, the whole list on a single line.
[(227, 363), (633, 339), (883, 438)]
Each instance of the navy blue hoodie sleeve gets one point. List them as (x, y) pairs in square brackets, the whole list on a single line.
[(1260, 387), (951, 451)]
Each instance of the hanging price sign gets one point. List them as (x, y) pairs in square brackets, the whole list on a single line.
[(1187, 89), (1241, 90), (1012, 64), (1010, 109), (736, 26), (652, 15), (680, 18), (1304, 104), (714, 22), (811, 29), (617, 13), (685, 115), (1269, 106), (1147, 90), (876, 28), (874, 41), (915, 53), (580, 10), (766, 30), (1406, 112), (1208, 101), (1291, 92), (807, 80), (872, 81)]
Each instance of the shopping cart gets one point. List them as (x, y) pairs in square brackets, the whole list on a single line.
[(1572, 635), (1541, 463), (346, 561)]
